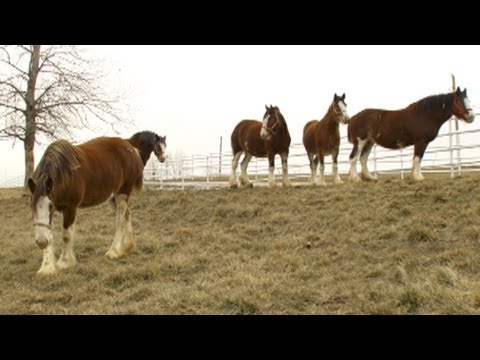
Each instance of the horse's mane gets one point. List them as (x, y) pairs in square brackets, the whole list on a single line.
[(280, 116), (58, 163), (144, 141), (432, 103)]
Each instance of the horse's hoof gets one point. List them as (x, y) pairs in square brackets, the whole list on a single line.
[(111, 254), (63, 264), (47, 270)]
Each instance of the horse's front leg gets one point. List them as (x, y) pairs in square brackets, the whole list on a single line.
[(67, 259), (336, 176), (286, 180), (271, 169), (418, 152), (124, 239)]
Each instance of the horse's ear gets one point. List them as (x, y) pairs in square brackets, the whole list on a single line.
[(335, 97), (465, 92), (343, 97), (31, 185), (458, 90), (266, 107), (49, 185)]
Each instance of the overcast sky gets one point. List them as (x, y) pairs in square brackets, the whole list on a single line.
[(195, 94)]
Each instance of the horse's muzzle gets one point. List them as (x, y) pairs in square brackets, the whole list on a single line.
[(162, 158), (42, 242), (469, 116)]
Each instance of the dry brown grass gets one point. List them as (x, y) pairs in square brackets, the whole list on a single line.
[(391, 247)]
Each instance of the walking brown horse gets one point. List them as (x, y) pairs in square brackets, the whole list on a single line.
[(322, 138), (77, 176), (417, 124), (261, 139)]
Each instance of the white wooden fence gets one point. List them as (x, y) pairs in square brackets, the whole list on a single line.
[(452, 153)]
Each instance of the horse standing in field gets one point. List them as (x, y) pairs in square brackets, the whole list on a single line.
[(72, 176), (261, 139), (417, 124), (322, 138)]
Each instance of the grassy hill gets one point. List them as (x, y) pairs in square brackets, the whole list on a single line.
[(391, 247)]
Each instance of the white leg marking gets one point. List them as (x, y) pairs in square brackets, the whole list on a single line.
[(416, 171), (244, 180), (123, 240), (313, 169), (322, 181), (364, 161), (271, 177), (48, 265), (286, 180), (336, 176), (233, 175), (67, 259)]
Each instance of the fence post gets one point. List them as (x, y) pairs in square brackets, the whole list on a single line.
[(183, 177), (401, 164), (450, 146)]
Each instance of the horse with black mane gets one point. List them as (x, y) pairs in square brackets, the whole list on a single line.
[(261, 139), (69, 177), (322, 137), (417, 124)]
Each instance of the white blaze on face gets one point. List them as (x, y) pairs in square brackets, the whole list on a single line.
[(163, 156), (344, 117), (468, 106), (42, 216), (264, 132)]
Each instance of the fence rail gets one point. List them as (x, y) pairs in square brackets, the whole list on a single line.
[(444, 155), (452, 152)]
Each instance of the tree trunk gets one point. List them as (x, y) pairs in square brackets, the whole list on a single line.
[(30, 109)]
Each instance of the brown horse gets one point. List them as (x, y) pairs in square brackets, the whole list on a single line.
[(261, 139), (417, 124), (322, 138), (69, 177)]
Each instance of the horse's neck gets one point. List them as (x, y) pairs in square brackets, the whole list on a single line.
[(144, 154), (329, 119)]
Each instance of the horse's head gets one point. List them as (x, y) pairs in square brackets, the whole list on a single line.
[(272, 121), (159, 148), (42, 209), (461, 106), (340, 109)]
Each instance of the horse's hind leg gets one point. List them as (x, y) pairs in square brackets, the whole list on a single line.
[(418, 152), (67, 259), (244, 180), (352, 173), (124, 239), (366, 147), (285, 180), (233, 175)]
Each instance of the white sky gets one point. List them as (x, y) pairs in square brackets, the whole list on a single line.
[(195, 94)]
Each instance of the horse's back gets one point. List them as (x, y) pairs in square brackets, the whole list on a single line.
[(245, 130), (309, 135), (110, 165), (359, 123)]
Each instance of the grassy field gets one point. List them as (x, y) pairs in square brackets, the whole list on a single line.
[(391, 247)]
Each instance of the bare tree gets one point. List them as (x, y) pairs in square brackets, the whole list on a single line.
[(175, 163), (48, 92)]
